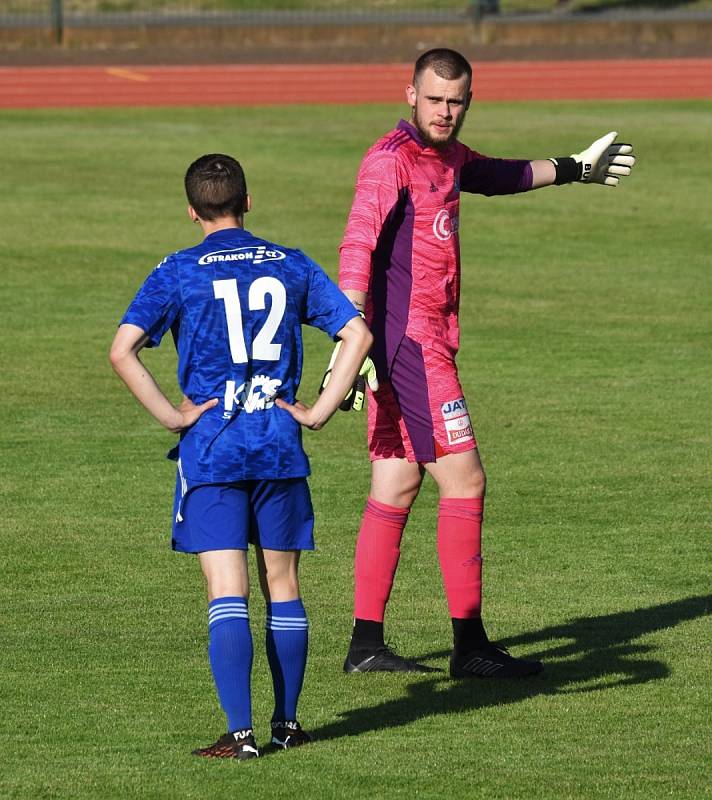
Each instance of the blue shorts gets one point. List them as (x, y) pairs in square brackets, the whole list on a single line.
[(271, 514)]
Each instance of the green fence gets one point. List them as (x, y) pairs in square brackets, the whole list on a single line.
[(400, 9), (65, 14)]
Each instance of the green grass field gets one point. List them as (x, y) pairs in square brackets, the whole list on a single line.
[(586, 341)]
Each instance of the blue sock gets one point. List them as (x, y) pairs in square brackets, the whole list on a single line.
[(287, 642), (230, 652)]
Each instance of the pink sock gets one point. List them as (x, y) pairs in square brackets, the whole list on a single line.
[(377, 554), (459, 550)]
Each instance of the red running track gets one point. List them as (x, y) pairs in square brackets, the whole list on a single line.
[(55, 87)]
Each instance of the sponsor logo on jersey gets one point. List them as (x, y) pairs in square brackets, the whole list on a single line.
[(454, 408), (444, 225), (457, 421), (255, 395), (433, 187), (255, 255)]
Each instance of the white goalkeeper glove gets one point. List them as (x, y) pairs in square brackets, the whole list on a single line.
[(357, 394), (603, 162)]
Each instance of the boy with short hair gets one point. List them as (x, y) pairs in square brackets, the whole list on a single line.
[(235, 305)]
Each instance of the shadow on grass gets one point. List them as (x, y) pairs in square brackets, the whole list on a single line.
[(588, 654)]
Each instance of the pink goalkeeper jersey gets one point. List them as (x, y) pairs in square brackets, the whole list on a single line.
[(401, 244)]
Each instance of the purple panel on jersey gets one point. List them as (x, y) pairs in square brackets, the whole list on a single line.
[(392, 282), (410, 388)]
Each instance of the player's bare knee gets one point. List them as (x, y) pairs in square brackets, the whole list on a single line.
[(474, 484), (220, 587), (281, 580), (479, 484), (281, 588), (399, 499), (470, 484), (393, 494)]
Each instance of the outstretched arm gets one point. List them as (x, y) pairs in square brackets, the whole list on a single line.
[(603, 162), (355, 342), (128, 342)]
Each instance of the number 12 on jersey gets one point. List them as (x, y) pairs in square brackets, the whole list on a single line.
[(263, 348)]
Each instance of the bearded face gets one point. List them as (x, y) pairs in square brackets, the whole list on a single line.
[(439, 107)]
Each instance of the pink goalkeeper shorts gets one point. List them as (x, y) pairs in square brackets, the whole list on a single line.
[(421, 413)]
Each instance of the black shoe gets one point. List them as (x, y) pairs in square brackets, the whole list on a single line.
[(289, 734), (239, 744), (382, 659), (491, 661)]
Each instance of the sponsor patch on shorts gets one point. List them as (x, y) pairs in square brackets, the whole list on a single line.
[(457, 421)]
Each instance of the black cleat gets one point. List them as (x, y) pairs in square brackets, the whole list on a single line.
[(289, 734), (382, 659), (239, 744), (491, 661)]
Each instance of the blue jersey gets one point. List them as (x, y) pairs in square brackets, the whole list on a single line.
[(235, 305)]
